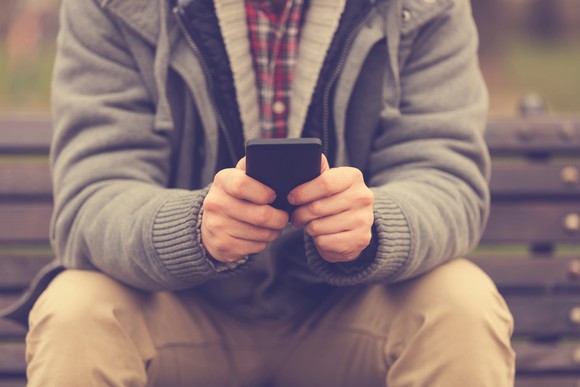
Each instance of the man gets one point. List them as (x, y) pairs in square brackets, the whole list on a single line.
[(178, 272)]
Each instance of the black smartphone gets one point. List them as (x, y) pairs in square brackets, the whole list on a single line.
[(283, 164)]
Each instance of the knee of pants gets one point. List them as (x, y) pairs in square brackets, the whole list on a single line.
[(78, 301), (459, 296)]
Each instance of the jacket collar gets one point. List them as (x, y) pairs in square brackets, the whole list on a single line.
[(141, 15)]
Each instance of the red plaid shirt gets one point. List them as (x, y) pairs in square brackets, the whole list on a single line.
[(274, 41)]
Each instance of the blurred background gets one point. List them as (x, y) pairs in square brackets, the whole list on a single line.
[(527, 46)]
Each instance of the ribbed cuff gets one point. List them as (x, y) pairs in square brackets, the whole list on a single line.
[(394, 246), (176, 237)]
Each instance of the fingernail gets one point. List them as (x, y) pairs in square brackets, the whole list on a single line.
[(291, 200)]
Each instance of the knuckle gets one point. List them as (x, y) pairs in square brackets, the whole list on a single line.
[(221, 176), (363, 222), (362, 244), (328, 185), (312, 228), (282, 220), (316, 208), (357, 173), (260, 215), (219, 249), (211, 204), (237, 185), (211, 226), (323, 243), (366, 198)]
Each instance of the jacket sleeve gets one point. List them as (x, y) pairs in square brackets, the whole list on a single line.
[(110, 166), (429, 165)]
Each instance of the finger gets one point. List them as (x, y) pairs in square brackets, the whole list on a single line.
[(325, 207), (331, 182), (246, 212), (335, 224), (236, 183), (349, 200), (226, 226)]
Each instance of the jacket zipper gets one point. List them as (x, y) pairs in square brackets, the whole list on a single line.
[(206, 71), (334, 78)]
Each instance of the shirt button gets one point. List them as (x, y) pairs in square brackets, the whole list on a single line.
[(279, 107)]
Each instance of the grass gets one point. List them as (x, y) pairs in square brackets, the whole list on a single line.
[(548, 68), (25, 87), (524, 65)]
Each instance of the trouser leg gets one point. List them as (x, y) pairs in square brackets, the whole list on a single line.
[(449, 327), (87, 329)]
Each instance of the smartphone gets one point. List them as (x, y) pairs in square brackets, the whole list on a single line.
[(283, 164)]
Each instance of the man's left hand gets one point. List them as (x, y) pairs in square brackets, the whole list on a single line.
[(336, 210)]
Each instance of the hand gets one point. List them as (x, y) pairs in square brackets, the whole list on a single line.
[(237, 219), (336, 210)]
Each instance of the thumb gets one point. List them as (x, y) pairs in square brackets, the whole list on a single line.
[(324, 164), (242, 164)]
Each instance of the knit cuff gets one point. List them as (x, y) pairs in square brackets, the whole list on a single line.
[(392, 252), (176, 237)]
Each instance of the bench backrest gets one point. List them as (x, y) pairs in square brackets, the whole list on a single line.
[(531, 247)]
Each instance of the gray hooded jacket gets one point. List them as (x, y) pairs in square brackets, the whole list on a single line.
[(137, 142)]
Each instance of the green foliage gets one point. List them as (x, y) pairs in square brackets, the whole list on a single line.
[(549, 69), (25, 86)]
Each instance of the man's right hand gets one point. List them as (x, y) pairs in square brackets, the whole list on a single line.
[(237, 218)]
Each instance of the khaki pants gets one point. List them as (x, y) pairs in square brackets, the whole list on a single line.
[(449, 327)]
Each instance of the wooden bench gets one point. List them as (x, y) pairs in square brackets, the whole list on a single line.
[(25, 207), (531, 247)]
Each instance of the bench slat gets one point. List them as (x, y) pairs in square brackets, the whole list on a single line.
[(537, 222), (7, 327), (544, 315), (521, 180), (11, 329), (12, 381), (25, 179), (510, 273), (546, 358), (546, 381), (18, 271), (12, 359), (25, 134), (25, 223), (538, 134)]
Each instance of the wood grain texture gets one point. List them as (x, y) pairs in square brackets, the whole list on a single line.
[(531, 222), (25, 134), (27, 223), (535, 180), (12, 359), (18, 270), (533, 135), (537, 274), (25, 180)]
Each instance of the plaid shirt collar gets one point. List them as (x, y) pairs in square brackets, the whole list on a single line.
[(274, 42)]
